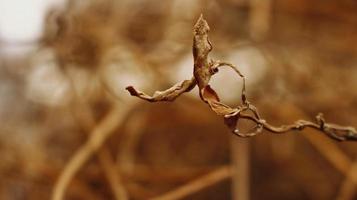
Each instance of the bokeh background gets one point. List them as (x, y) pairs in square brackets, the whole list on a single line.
[(69, 130)]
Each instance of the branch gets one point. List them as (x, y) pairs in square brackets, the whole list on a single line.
[(198, 184), (84, 116), (96, 139), (334, 131), (204, 69)]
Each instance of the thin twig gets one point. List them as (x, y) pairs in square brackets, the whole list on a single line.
[(348, 186), (97, 137), (85, 117), (334, 155), (330, 151), (327, 148), (111, 174), (105, 159), (240, 158), (331, 130), (198, 184), (143, 173)]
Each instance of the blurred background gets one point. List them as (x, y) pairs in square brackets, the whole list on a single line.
[(69, 130)]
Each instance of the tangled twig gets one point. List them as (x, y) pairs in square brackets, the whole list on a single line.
[(205, 68)]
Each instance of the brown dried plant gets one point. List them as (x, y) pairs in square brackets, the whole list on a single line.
[(205, 68)]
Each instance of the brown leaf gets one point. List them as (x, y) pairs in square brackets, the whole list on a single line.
[(204, 69)]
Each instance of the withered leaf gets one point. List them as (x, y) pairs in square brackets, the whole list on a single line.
[(204, 68)]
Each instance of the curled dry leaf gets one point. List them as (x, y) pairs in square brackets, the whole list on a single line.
[(204, 68)]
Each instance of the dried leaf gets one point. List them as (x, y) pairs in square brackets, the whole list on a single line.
[(204, 69)]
